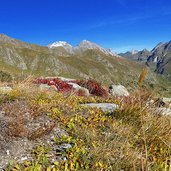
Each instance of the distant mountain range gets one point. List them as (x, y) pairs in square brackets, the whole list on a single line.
[(159, 58), (80, 48), (136, 55), (86, 60)]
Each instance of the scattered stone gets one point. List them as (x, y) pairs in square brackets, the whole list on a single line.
[(105, 107), (74, 85), (83, 92), (167, 101), (63, 147), (159, 102), (24, 158), (163, 102), (118, 90), (39, 130), (80, 90), (15, 150), (8, 152), (164, 111), (58, 133)]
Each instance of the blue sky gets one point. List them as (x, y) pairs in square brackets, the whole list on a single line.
[(118, 24)]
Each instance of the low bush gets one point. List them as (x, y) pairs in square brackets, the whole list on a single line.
[(94, 87), (60, 85)]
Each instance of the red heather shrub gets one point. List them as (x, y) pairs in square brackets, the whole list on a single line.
[(94, 87), (59, 84)]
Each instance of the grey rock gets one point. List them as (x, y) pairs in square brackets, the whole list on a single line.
[(135, 55), (105, 107), (58, 133), (80, 90), (166, 100), (118, 90), (164, 111), (63, 147), (160, 59), (83, 91), (163, 102)]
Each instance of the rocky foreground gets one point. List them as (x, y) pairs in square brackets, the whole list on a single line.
[(66, 124)]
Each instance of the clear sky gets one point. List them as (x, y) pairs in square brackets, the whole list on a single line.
[(118, 24)]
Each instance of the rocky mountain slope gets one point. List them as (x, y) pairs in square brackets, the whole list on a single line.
[(160, 59), (136, 55), (86, 60)]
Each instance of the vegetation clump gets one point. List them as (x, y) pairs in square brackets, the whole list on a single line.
[(93, 86), (134, 137)]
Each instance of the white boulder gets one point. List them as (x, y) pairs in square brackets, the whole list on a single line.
[(118, 90)]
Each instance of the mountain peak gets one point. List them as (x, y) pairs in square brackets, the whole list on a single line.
[(5, 38), (133, 51), (145, 50), (3, 35), (81, 47), (88, 45), (86, 41), (59, 44), (158, 45)]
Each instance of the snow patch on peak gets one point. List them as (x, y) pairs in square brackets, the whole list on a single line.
[(133, 51), (81, 47), (59, 44)]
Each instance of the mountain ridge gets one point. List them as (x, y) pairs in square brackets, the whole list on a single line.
[(136, 55), (24, 59), (81, 47), (90, 61), (158, 59)]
